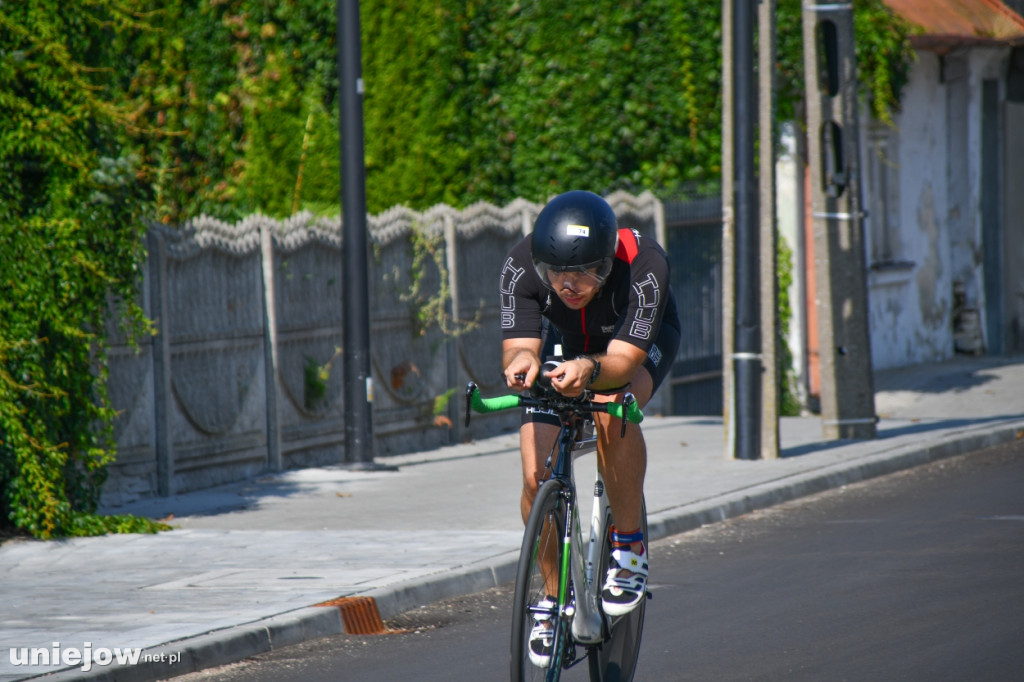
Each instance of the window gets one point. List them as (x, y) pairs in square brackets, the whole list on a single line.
[(881, 196)]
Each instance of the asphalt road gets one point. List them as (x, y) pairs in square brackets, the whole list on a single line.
[(915, 576)]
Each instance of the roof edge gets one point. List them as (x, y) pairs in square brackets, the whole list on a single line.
[(933, 42)]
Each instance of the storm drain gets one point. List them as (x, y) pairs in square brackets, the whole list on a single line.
[(359, 615)]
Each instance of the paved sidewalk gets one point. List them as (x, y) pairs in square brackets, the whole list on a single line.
[(248, 562)]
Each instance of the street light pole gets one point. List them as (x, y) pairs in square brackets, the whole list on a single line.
[(358, 379), (746, 357)]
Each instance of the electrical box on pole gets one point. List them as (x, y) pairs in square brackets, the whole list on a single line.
[(847, 387)]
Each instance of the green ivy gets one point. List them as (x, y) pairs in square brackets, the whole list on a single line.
[(70, 235), (464, 100), (789, 400)]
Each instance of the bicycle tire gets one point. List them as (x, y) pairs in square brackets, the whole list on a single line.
[(544, 532), (615, 659)]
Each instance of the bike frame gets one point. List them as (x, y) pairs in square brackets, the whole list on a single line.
[(579, 564), (587, 620)]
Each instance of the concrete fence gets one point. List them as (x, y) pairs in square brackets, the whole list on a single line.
[(245, 374)]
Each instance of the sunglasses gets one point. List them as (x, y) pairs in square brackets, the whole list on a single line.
[(574, 278)]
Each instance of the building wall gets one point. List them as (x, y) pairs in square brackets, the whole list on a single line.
[(928, 200), (1013, 227), (910, 287)]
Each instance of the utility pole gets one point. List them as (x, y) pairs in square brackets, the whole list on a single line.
[(358, 379), (742, 341), (847, 387), (769, 287)]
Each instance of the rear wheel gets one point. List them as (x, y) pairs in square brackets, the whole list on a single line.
[(615, 660), (537, 579)]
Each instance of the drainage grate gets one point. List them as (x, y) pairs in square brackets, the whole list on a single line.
[(359, 615)]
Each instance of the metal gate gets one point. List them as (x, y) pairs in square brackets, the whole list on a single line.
[(693, 229)]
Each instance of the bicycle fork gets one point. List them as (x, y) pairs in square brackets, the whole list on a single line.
[(587, 620)]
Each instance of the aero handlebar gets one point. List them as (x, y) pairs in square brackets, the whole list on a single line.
[(627, 410)]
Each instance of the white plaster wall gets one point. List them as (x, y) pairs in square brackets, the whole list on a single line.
[(788, 214), (910, 306)]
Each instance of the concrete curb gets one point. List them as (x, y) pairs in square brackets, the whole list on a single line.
[(478, 577), (233, 644), (829, 477)]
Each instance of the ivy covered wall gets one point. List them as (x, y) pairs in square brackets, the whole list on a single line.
[(464, 100)]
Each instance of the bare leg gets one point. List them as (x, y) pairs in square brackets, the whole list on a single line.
[(623, 461), (536, 441)]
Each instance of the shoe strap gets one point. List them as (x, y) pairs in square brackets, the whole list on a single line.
[(548, 604), (625, 559)]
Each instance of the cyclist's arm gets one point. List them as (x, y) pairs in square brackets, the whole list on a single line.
[(520, 356), (618, 365)]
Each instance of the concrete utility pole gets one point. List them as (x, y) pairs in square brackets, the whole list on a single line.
[(770, 378), (358, 378), (728, 237), (847, 387)]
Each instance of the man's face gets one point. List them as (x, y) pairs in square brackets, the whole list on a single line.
[(575, 288)]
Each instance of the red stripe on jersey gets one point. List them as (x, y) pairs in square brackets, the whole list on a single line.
[(628, 245)]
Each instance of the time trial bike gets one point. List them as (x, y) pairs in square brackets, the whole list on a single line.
[(555, 561)]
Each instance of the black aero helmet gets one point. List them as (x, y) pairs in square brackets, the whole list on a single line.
[(575, 231)]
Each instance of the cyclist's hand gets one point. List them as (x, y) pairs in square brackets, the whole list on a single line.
[(571, 377), (522, 371)]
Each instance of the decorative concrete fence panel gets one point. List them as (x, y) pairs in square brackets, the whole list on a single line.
[(306, 286), (408, 309), (246, 375), (482, 235), (214, 312)]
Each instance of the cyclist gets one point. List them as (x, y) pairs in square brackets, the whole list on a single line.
[(603, 294)]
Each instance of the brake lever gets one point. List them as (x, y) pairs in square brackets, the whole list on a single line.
[(627, 401)]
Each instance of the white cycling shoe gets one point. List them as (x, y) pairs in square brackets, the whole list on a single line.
[(542, 636), (620, 595)]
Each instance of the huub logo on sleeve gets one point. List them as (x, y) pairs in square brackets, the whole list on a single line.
[(577, 230)]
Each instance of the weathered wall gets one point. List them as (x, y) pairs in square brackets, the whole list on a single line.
[(929, 300), (909, 297)]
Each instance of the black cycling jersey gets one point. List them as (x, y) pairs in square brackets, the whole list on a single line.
[(633, 305)]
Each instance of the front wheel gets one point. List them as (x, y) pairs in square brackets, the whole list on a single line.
[(537, 580), (615, 659)]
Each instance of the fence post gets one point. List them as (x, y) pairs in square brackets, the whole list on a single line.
[(451, 340), (163, 446), (274, 457)]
